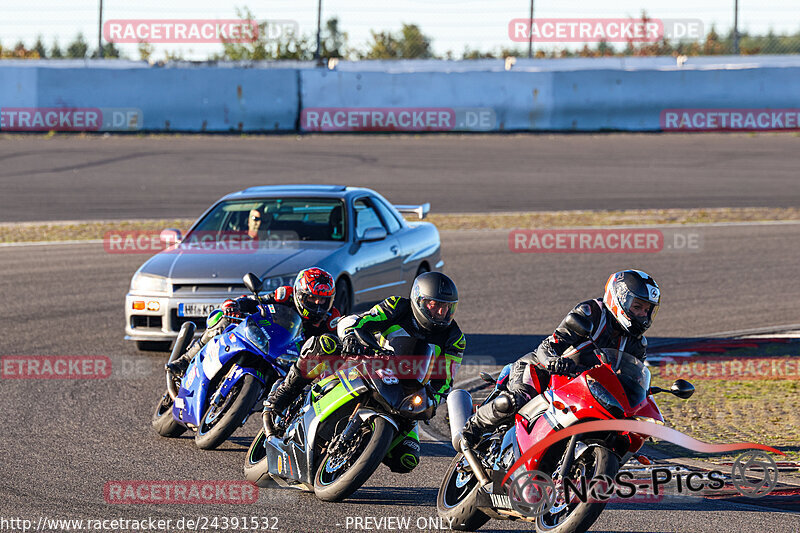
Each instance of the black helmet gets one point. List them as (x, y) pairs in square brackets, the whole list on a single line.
[(632, 288), (434, 298)]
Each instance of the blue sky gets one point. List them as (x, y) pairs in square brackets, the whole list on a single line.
[(453, 24)]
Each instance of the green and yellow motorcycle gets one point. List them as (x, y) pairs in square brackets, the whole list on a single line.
[(336, 435)]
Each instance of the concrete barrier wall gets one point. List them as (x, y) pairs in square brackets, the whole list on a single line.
[(232, 98), (194, 100)]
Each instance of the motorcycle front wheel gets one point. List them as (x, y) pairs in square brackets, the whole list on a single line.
[(578, 517), (220, 421), (339, 475)]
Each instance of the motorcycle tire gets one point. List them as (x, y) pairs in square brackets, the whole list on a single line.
[(459, 504), (162, 420), (235, 410), (369, 458)]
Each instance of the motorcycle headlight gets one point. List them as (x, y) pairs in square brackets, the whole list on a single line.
[(149, 283), (606, 399), (257, 336), (270, 284), (415, 404)]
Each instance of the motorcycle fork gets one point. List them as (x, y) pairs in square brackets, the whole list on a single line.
[(353, 425), (569, 455)]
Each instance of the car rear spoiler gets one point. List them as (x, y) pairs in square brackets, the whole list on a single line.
[(420, 210)]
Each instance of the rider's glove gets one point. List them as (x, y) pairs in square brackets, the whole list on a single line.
[(563, 366), (231, 308), (351, 345)]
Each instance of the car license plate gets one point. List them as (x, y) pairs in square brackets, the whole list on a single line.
[(196, 310)]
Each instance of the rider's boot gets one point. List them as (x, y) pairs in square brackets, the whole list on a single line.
[(487, 417), (280, 398)]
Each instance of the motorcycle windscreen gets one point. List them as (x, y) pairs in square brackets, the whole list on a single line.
[(413, 358), (285, 324), (631, 372)]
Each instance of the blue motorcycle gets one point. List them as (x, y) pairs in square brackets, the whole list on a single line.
[(225, 381)]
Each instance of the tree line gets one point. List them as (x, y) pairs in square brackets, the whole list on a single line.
[(407, 43)]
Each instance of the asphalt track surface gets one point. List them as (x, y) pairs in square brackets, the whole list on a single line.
[(62, 441), (119, 177)]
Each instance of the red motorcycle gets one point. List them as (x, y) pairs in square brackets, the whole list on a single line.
[(477, 485)]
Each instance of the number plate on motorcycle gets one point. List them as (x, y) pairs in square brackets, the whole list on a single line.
[(196, 310)]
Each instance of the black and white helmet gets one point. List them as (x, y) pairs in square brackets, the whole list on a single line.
[(434, 298), (633, 297)]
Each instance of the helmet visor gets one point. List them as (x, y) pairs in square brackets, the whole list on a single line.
[(438, 312), (638, 310), (316, 305)]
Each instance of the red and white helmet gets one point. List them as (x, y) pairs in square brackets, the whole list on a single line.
[(313, 293), (633, 297)]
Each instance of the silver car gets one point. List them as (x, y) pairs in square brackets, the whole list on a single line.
[(274, 232)]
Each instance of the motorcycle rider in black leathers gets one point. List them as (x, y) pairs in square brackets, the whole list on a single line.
[(428, 316), (618, 321)]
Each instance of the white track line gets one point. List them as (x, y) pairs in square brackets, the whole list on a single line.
[(48, 243)]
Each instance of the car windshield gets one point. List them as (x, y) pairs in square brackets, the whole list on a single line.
[(277, 219), (634, 376)]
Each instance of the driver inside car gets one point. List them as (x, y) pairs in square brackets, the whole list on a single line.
[(618, 321)]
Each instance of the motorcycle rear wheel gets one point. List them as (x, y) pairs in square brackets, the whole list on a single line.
[(457, 498), (162, 420), (255, 462)]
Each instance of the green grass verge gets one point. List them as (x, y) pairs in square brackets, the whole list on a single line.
[(723, 411)]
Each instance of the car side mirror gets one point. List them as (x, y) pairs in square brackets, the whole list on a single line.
[(580, 324), (252, 282), (170, 236), (682, 389), (373, 234)]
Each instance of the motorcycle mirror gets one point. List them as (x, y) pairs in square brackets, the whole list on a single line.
[(682, 389), (252, 282), (487, 377), (579, 324), (213, 318)]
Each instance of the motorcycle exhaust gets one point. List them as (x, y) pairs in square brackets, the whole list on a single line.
[(459, 408), (185, 336)]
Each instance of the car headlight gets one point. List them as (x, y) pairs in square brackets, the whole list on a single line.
[(270, 284), (149, 283), (257, 336), (606, 399)]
